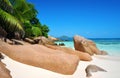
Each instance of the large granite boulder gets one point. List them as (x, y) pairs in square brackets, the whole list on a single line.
[(85, 45), (4, 72), (41, 56), (43, 40), (52, 38), (82, 56), (31, 41)]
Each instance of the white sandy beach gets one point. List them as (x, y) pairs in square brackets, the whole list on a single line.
[(109, 63)]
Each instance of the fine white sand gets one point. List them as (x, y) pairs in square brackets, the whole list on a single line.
[(109, 63)]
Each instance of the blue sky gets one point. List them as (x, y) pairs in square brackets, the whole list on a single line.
[(89, 18)]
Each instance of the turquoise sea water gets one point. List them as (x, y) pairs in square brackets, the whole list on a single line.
[(111, 45)]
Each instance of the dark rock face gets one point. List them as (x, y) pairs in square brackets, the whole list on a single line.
[(1, 56), (85, 45), (3, 34), (17, 35), (93, 68)]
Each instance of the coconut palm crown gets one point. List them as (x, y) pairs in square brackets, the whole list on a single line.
[(21, 17)]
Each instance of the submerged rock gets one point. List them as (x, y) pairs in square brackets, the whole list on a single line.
[(61, 44), (104, 53)]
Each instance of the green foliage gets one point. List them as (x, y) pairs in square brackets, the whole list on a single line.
[(21, 16), (10, 23), (28, 32), (45, 30), (36, 31), (6, 6), (27, 24)]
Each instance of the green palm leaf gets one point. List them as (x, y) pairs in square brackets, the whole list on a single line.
[(21, 5), (9, 23), (6, 6)]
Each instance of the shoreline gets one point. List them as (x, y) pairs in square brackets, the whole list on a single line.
[(19, 70), (112, 49)]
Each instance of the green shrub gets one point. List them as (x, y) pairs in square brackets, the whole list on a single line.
[(28, 32), (36, 31)]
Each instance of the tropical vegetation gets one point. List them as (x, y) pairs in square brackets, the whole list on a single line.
[(20, 16)]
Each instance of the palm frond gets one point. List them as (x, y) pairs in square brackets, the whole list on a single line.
[(6, 6), (21, 5), (31, 8), (9, 23)]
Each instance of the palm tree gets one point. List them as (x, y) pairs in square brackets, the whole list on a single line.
[(7, 21), (21, 17)]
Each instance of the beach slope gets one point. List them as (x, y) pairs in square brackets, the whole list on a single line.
[(109, 63)]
